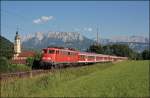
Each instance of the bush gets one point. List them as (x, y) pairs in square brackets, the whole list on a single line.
[(146, 55), (36, 64), (4, 64), (18, 68), (36, 61), (30, 61)]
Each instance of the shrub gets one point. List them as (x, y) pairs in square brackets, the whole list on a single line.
[(36, 62), (4, 64), (146, 55), (18, 68), (30, 61)]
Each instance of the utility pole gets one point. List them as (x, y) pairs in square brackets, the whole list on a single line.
[(17, 28), (97, 35)]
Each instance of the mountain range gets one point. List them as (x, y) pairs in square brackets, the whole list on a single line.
[(64, 39), (40, 40)]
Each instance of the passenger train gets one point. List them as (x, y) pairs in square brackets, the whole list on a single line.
[(53, 57)]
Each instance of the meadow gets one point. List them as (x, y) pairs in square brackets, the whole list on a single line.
[(121, 79)]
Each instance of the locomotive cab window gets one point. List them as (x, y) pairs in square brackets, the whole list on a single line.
[(44, 51), (51, 51)]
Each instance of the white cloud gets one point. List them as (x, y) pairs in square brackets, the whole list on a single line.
[(37, 21), (88, 29), (46, 18), (43, 19)]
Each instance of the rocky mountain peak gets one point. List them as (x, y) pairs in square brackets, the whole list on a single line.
[(133, 38), (39, 35), (65, 36)]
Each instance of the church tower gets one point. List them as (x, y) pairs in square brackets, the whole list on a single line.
[(17, 44)]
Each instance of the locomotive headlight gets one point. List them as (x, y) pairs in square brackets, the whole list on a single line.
[(49, 58), (43, 58)]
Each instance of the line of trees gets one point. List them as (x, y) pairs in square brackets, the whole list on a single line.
[(6, 48), (119, 50)]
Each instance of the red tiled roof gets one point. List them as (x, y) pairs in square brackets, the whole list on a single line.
[(26, 54), (21, 58)]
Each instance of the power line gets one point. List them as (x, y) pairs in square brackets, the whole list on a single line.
[(97, 31), (97, 34)]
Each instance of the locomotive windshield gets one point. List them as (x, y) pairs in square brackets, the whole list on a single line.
[(48, 51), (51, 51)]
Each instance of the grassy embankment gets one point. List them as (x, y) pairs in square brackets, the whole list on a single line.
[(123, 79)]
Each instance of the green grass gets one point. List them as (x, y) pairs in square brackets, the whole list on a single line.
[(123, 79), (16, 68)]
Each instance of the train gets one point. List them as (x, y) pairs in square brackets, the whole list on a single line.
[(54, 57)]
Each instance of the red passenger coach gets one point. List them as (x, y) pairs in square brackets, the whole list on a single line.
[(85, 57)]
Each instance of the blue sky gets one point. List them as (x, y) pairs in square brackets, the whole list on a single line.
[(114, 18)]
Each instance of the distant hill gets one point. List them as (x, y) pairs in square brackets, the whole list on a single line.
[(6, 48)]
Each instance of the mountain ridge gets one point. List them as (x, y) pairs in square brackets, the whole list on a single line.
[(76, 40), (65, 39)]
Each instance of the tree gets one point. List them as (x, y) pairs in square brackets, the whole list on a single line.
[(115, 49), (36, 62), (139, 56), (123, 50), (146, 55), (4, 64), (95, 49), (107, 49), (30, 61), (6, 48)]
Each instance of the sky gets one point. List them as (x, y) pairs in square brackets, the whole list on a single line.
[(112, 18)]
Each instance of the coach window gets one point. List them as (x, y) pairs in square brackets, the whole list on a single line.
[(91, 57), (51, 51), (57, 52), (64, 52), (73, 54), (69, 53)]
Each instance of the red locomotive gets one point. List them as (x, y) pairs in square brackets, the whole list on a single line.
[(57, 57)]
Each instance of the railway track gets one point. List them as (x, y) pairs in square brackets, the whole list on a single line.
[(29, 74), (26, 74)]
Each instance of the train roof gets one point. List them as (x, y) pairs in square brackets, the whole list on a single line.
[(102, 55), (91, 54), (62, 48)]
